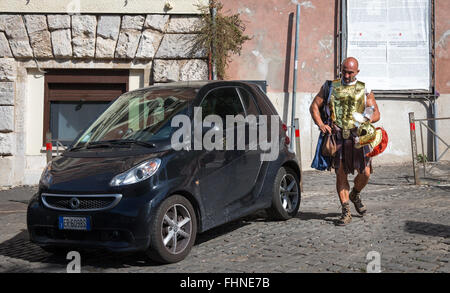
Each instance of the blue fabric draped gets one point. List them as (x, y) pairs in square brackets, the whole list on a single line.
[(320, 162)]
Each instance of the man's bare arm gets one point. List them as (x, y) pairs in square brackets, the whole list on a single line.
[(314, 109), (372, 102)]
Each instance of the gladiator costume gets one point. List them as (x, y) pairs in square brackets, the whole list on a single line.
[(343, 101)]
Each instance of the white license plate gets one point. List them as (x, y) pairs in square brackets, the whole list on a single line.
[(74, 223)]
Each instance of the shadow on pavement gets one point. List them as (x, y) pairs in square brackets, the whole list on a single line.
[(330, 217), (259, 216), (444, 188), (382, 184), (19, 247), (428, 229)]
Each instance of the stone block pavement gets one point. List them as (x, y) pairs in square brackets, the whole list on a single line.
[(408, 225)]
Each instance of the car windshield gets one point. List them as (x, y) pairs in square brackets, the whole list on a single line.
[(138, 116)]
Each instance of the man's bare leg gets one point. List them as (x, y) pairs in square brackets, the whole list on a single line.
[(343, 187), (360, 181)]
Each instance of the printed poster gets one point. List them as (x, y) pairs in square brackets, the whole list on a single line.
[(391, 40)]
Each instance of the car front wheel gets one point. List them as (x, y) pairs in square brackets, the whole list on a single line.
[(173, 231), (285, 195)]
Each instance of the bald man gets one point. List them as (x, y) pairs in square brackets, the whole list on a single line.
[(340, 99)]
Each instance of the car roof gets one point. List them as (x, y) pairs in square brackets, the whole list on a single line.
[(199, 85), (192, 84)]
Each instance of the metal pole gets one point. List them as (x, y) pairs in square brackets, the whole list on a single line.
[(48, 146), (213, 15), (432, 38), (412, 128), (299, 150), (435, 124), (343, 33), (294, 90), (423, 150)]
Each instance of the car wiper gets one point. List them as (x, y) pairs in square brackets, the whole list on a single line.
[(76, 148), (98, 144), (102, 144), (114, 143), (92, 145), (133, 141)]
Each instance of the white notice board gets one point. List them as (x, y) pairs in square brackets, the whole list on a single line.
[(391, 40)]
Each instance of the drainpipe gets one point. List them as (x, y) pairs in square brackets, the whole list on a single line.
[(213, 61), (432, 39), (432, 102), (435, 124), (294, 90), (343, 34), (210, 77)]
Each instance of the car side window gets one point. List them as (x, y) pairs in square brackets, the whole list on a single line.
[(249, 102), (222, 102)]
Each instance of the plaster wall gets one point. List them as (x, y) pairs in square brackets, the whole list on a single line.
[(443, 126), (443, 49), (443, 73), (270, 54)]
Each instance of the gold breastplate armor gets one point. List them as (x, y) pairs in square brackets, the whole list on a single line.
[(344, 101)]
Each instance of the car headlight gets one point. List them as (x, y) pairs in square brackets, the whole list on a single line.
[(137, 174), (46, 177)]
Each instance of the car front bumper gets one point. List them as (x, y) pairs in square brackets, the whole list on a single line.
[(125, 227)]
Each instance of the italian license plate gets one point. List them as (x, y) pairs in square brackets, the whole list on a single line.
[(74, 223)]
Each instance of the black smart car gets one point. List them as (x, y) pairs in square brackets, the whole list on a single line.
[(149, 173)]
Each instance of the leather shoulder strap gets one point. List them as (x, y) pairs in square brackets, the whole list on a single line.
[(330, 90), (336, 83)]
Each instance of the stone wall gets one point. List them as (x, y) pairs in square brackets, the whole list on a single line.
[(161, 42), (7, 95), (141, 38)]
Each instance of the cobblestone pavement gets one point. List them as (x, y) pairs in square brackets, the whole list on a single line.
[(407, 225)]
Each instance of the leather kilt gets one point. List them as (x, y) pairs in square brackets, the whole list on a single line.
[(351, 157)]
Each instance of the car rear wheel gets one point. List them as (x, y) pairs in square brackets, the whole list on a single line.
[(285, 195), (173, 232)]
